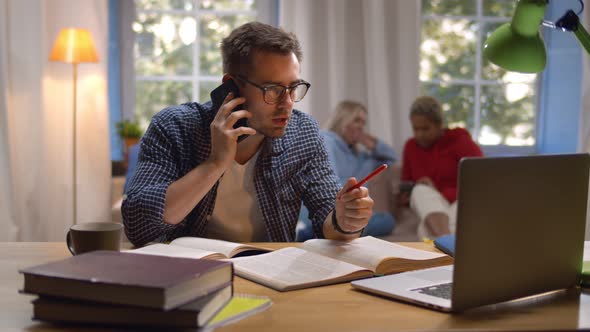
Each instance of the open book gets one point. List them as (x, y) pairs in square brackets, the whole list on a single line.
[(197, 247), (322, 262)]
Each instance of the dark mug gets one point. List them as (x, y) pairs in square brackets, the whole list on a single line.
[(92, 236)]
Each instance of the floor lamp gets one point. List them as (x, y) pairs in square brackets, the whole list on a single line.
[(74, 46)]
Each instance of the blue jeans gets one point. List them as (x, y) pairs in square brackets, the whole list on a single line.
[(381, 223)]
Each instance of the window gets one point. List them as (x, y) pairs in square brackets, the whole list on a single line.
[(177, 57), (496, 106)]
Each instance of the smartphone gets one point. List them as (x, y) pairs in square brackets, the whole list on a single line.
[(218, 96)]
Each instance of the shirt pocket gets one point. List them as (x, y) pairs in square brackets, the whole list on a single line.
[(287, 193)]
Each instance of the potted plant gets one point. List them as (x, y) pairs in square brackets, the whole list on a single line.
[(130, 132)]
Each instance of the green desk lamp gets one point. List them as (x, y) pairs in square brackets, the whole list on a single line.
[(517, 46)]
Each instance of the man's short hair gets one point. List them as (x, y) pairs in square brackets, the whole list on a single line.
[(237, 48), (428, 107)]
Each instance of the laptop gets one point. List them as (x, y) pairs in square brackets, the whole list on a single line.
[(520, 232)]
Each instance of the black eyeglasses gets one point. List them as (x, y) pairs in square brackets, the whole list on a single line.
[(272, 94)]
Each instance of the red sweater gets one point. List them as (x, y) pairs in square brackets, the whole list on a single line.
[(440, 162)]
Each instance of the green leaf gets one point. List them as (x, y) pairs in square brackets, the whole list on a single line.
[(128, 129)]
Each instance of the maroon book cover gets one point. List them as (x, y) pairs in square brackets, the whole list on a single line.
[(127, 278), (193, 314)]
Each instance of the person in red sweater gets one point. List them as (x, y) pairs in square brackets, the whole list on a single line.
[(431, 161)]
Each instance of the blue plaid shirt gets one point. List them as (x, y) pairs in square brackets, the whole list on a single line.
[(289, 170)]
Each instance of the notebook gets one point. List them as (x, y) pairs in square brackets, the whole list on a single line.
[(520, 232), (585, 282), (446, 244)]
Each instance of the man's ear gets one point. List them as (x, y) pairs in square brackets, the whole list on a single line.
[(227, 77)]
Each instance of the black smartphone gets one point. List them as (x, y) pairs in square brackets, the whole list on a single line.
[(218, 96)]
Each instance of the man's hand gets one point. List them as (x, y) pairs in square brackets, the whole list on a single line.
[(185, 193), (224, 138), (353, 211)]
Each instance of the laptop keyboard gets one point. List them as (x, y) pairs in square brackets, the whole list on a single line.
[(442, 290)]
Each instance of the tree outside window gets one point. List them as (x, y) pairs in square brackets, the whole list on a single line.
[(177, 56), (496, 106)]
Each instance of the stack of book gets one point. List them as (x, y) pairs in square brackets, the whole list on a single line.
[(120, 288)]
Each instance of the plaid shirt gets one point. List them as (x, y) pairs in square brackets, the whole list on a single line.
[(289, 170)]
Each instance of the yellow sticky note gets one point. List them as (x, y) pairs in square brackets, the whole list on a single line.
[(240, 306)]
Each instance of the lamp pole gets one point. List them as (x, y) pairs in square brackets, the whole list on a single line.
[(74, 46), (74, 136), (570, 21)]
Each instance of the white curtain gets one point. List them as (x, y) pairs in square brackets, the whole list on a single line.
[(584, 130), (8, 229), (126, 10), (36, 112), (365, 50)]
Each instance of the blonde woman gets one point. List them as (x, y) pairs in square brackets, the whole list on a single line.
[(354, 153)]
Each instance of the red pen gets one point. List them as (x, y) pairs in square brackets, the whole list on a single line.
[(367, 178)]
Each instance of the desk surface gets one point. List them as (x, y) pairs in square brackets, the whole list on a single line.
[(328, 308)]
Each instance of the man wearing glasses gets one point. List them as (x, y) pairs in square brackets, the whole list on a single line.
[(194, 178)]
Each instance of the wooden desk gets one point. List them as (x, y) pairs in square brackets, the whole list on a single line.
[(329, 308)]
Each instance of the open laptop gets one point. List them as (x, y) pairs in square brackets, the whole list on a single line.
[(520, 231)]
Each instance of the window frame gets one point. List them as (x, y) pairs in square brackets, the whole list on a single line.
[(478, 82), (195, 78), (267, 12)]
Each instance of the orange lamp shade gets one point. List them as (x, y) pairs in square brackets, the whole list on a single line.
[(74, 46)]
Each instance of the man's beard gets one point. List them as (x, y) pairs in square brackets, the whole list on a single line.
[(272, 131)]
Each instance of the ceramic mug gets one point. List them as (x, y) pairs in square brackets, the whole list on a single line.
[(92, 236)]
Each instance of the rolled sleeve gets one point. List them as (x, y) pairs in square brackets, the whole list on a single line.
[(322, 187), (143, 213), (143, 206)]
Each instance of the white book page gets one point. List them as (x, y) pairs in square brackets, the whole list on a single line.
[(225, 247), (161, 249), (366, 251), (586, 251), (292, 268)]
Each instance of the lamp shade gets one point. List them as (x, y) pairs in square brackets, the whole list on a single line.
[(517, 46), (74, 46)]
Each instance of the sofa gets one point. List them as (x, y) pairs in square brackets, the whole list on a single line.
[(383, 189)]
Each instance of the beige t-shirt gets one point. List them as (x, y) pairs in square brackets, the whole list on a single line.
[(237, 216)]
